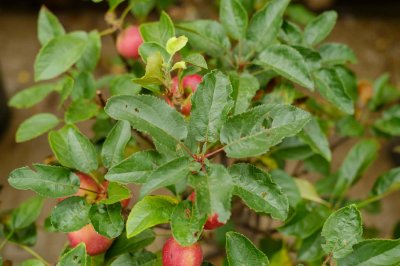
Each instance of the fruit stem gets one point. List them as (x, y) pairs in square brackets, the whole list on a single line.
[(34, 254), (214, 152)]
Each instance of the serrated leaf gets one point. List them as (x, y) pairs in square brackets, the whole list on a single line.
[(373, 252), (313, 135), (74, 257), (149, 115), (158, 32), (287, 62), (46, 180), (356, 162), (244, 88), (337, 53), (257, 190), (265, 24), (91, 54), (319, 28), (35, 126), (149, 211), (311, 248), (48, 26), (71, 214), (58, 55), (288, 186), (331, 88), (107, 219), (81, 110), (246, 136), (341, 231), (167, 174), (210, 105), (234, 18), (241, 252), (31, 96), (116, 193), (123, 244), (136, 168), (114, 146), (206, 35), (186, 223), (213, 192), (27, 212), (196, 60), (306, 220)]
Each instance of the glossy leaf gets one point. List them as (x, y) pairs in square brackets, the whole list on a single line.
[(27, 212), (149, 48), (48, 26), (241, 252), (116, 193), (287, 62), (122, 244), (387, 182), (336, 53), (313, 135), (74, 257), (288, 186), (196, 60), (234, 18), (244, 88), (46, 180), (319, 28), (107, 219), (115, 143), (158, 32), (81, 110), (341, 231), (35, 126), (71, 214), (91, 54), (257, 190), (31, 96)]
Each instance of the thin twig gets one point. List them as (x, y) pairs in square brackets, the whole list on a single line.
[(34, 254)]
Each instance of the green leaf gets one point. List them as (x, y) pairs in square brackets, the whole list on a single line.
[(81, 110), (149, 48), (349, 81), (107, 219), (313, 135), (27, 212), (31, 96), (114, 3), (356, 162), (176, 44), (71, 214), (48, 26), (58, 55), (149, 211), (337, 53), (287, 62), (244, 88), (149, 115), (387, 182), (46, 180), (114, 146), (308, 191), (319, 28), (384, 92), (136, 168), (265, 24), (312, 58), (210, 106), (373, 252), (35, 126), (245, 134), (166, 175), (311, 249), (74, 257), (158, 32), (288, 186), (257, 190), (141, 258), (141, 8), (186, 223), (307, 219), (290, 33), (123, 85), (73, 149), (389, 122), (331, 88), (300, 13), (123, 244), (207, 36), (196, 60), (84, 86), (31, 262), (91, 54), (341, 231), (213, 192), (234, 18), (348, 126), (66, 86), (116, 193), (241, 252)]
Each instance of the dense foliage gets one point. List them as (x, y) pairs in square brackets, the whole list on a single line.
[(211, 112)]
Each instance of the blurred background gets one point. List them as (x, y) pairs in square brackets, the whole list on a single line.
[(370, 28)]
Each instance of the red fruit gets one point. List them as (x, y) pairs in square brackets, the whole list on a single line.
[(212, 221), (186, 107), (95, 243), (188, 82), (103, 194), (128, 42), (173, 254), (88, 188)]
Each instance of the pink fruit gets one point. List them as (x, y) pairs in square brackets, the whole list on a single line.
[(173, 254), (128, 42), (212, 221), (95, 243), (189, 84), (88, 188)]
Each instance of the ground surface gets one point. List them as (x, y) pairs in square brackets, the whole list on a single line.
[(375, 40)]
